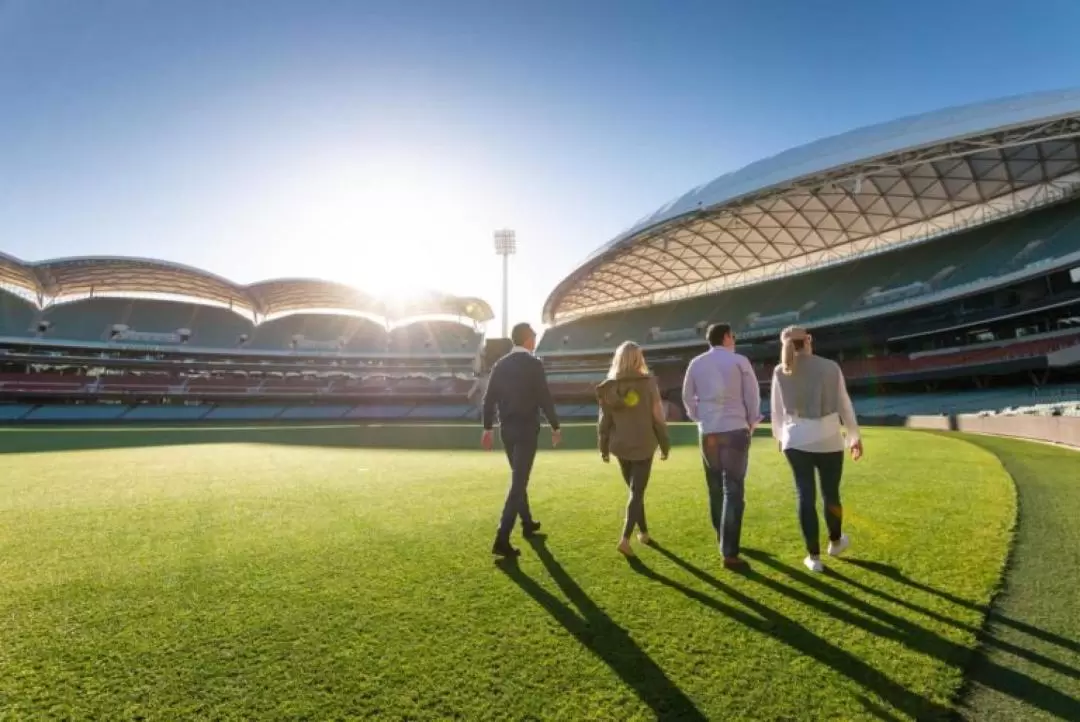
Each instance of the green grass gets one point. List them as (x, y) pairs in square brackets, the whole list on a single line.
[(274, 579), (1031, 666)]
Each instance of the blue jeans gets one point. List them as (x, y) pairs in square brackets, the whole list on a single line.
[(829, 467), (725, 456)]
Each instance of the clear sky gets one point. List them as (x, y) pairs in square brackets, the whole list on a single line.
[(381, 143)]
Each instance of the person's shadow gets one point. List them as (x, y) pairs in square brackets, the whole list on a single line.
[(603, 637), (993, 615), (773, 624)]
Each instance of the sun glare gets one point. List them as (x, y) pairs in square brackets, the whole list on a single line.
[(399, 225)]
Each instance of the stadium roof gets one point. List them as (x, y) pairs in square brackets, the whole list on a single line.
[(862, 191), (68, 279)]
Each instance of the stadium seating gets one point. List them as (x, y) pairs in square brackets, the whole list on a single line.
[(162, 323), (151, 383), (889, 278), (14, 412), (17, 315), (77, 412), (434, 337), (151, 412), (319, 332), (45, 383), (92, 319), (315, 412), (244, 413)]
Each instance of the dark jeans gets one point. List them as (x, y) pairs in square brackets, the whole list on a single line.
[(725, 456), (829, 467), (636, 476), (520, 452)]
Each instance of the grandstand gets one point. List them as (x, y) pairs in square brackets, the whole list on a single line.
[(121, 339), (937, 257)]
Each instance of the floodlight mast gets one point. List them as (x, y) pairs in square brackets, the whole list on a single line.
[(505, 246)]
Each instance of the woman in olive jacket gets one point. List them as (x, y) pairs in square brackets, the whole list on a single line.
[(632, 427)]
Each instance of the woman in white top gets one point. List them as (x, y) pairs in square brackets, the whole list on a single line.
[(809, 402)]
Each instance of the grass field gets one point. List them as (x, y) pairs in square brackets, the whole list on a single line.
[(300, 581)]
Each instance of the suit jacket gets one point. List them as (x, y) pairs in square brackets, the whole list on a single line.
[(518, 390)]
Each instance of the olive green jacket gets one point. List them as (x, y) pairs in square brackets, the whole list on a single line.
[(632, 420)]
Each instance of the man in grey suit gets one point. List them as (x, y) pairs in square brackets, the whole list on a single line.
[(518, 391)]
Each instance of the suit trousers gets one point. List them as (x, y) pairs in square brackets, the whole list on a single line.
[(520, 446)]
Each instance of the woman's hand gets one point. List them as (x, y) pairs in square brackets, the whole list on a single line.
[(664, 455), (605, 458), (856, 450)]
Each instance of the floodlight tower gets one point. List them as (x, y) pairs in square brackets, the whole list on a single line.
[(505, 246)]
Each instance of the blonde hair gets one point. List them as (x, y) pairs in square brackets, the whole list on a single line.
[(628, 361), (793, 339)]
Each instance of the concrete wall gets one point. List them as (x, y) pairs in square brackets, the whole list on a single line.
[(1055, 429)]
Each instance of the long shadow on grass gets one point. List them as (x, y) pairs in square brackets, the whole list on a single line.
[(922, 640), (789, 632), (1001, 644), (995, 617), (604, 638)]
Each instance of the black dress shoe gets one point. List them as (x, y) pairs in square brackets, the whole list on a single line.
[(503, 549), (531, 530)]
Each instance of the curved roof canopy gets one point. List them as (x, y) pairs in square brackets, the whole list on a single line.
[(285, 295), (67, 279), (89, 276), (859, 192)]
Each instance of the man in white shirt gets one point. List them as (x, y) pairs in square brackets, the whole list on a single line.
[(721, 394)]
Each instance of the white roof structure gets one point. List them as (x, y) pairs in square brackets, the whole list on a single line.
[(859, 192), (68, 279)]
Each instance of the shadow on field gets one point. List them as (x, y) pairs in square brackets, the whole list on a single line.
[(603, 637), (995, 617), (889, 626), (783, 629)]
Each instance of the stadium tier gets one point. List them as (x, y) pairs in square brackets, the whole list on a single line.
[(872, 285), (131, 302)]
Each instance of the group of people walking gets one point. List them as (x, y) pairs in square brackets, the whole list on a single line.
[(810, 413)]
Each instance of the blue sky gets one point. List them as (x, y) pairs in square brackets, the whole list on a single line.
[(380, 143)]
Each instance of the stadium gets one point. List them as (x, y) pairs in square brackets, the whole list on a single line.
[(267, 500), (111, 339), (937, 257)]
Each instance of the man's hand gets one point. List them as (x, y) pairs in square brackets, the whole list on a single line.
[(487, 441), (556, 437), (856, 450), (780, 446)]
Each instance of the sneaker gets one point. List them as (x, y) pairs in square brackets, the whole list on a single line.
[(813, 565), (838, 547), (644, 538)]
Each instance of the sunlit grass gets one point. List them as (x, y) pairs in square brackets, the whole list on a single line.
[(301, 582)]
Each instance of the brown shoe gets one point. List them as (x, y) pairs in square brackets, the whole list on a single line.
[(735, 563)]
